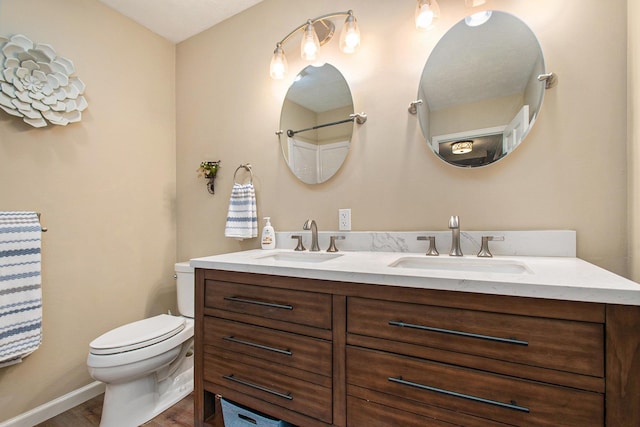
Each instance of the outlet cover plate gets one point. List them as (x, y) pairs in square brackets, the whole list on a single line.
[(344, 219)]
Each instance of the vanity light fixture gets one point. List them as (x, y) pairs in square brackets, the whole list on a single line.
[(317, 32), (427, 14), (310, 43), (462, 147)]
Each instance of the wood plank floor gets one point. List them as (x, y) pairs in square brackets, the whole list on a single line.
[(88, 415)]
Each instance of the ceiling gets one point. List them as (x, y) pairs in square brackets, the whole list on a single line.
[(471, 64), (177, 20), (320, 89)]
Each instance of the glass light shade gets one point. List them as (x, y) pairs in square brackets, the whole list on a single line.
[(462, 147), (310, 44), (477, 19), (427, 14), (350, 35), (279, 64)]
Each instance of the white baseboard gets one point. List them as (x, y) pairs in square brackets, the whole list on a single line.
[(56, 406)]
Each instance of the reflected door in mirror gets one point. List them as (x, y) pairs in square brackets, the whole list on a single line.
[(316, 123)]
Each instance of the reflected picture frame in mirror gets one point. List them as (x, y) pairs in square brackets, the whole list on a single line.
[(481, 90), (316, 123)]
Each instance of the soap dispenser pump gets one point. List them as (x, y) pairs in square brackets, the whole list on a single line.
[(268, 235)]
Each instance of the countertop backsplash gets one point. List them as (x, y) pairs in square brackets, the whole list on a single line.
[(561, 243)]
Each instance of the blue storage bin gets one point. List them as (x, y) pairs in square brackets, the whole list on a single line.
[(235, 415)]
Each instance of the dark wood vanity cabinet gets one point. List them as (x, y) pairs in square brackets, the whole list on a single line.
[(266, 347), (514, 369), (319, 353)]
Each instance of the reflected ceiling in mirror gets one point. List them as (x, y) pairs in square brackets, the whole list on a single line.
[(480, 85), (316, 123)]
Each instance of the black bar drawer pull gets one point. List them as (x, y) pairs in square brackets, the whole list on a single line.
[(256, 345), (458, 333), (257, 387), (256, 302), (513, 406)]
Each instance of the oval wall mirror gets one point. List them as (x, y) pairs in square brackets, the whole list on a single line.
[(316, 123), (480, 90)]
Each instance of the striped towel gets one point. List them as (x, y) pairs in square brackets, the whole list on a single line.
[(20, 293), (242, 219)]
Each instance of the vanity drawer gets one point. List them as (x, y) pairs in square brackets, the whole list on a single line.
[(564, 345), (270, 385), (301, 307), (292, 350), (366, 413), (500, 398)]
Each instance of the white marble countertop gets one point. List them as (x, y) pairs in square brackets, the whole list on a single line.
[(562, 278)]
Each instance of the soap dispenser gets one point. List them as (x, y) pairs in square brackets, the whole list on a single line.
[(268, 235)]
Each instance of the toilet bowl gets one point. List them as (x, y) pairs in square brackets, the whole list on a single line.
[(147, 365)]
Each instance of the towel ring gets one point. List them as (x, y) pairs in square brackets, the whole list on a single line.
[(247, 167)]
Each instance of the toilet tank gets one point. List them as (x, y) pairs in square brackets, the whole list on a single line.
[(185, 286)]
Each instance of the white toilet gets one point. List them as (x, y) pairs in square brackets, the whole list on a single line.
[(147, 365)]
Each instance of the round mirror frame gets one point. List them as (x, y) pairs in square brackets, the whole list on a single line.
[(316, 123), (481, 90)]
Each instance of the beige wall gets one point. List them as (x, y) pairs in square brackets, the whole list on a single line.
[(105, 187), (633, 118), (570, 173), (295, 116)]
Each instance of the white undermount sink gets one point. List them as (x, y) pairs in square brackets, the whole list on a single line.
[(313, 257), (463, 264)]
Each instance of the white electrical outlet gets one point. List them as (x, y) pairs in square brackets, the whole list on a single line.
[(344, 219)]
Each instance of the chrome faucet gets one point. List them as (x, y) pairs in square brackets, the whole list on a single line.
[(310, 224), (454, 225)]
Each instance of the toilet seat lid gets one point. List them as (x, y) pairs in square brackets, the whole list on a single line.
[(138, 334)]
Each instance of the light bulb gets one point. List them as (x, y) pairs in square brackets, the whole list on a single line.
[(310, 44), (350, 36), (279, 65), (427, 14)]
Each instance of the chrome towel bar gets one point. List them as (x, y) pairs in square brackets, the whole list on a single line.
[(359, 118)]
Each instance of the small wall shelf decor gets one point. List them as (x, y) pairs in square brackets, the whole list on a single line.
[(209, 170), (38, 85)]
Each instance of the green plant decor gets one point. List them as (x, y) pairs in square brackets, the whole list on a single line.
[(209, 170)]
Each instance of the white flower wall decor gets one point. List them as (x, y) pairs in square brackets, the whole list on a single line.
[(38, 85)]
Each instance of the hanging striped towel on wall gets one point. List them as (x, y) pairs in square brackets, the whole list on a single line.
[(242, 219), (20, 292)]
